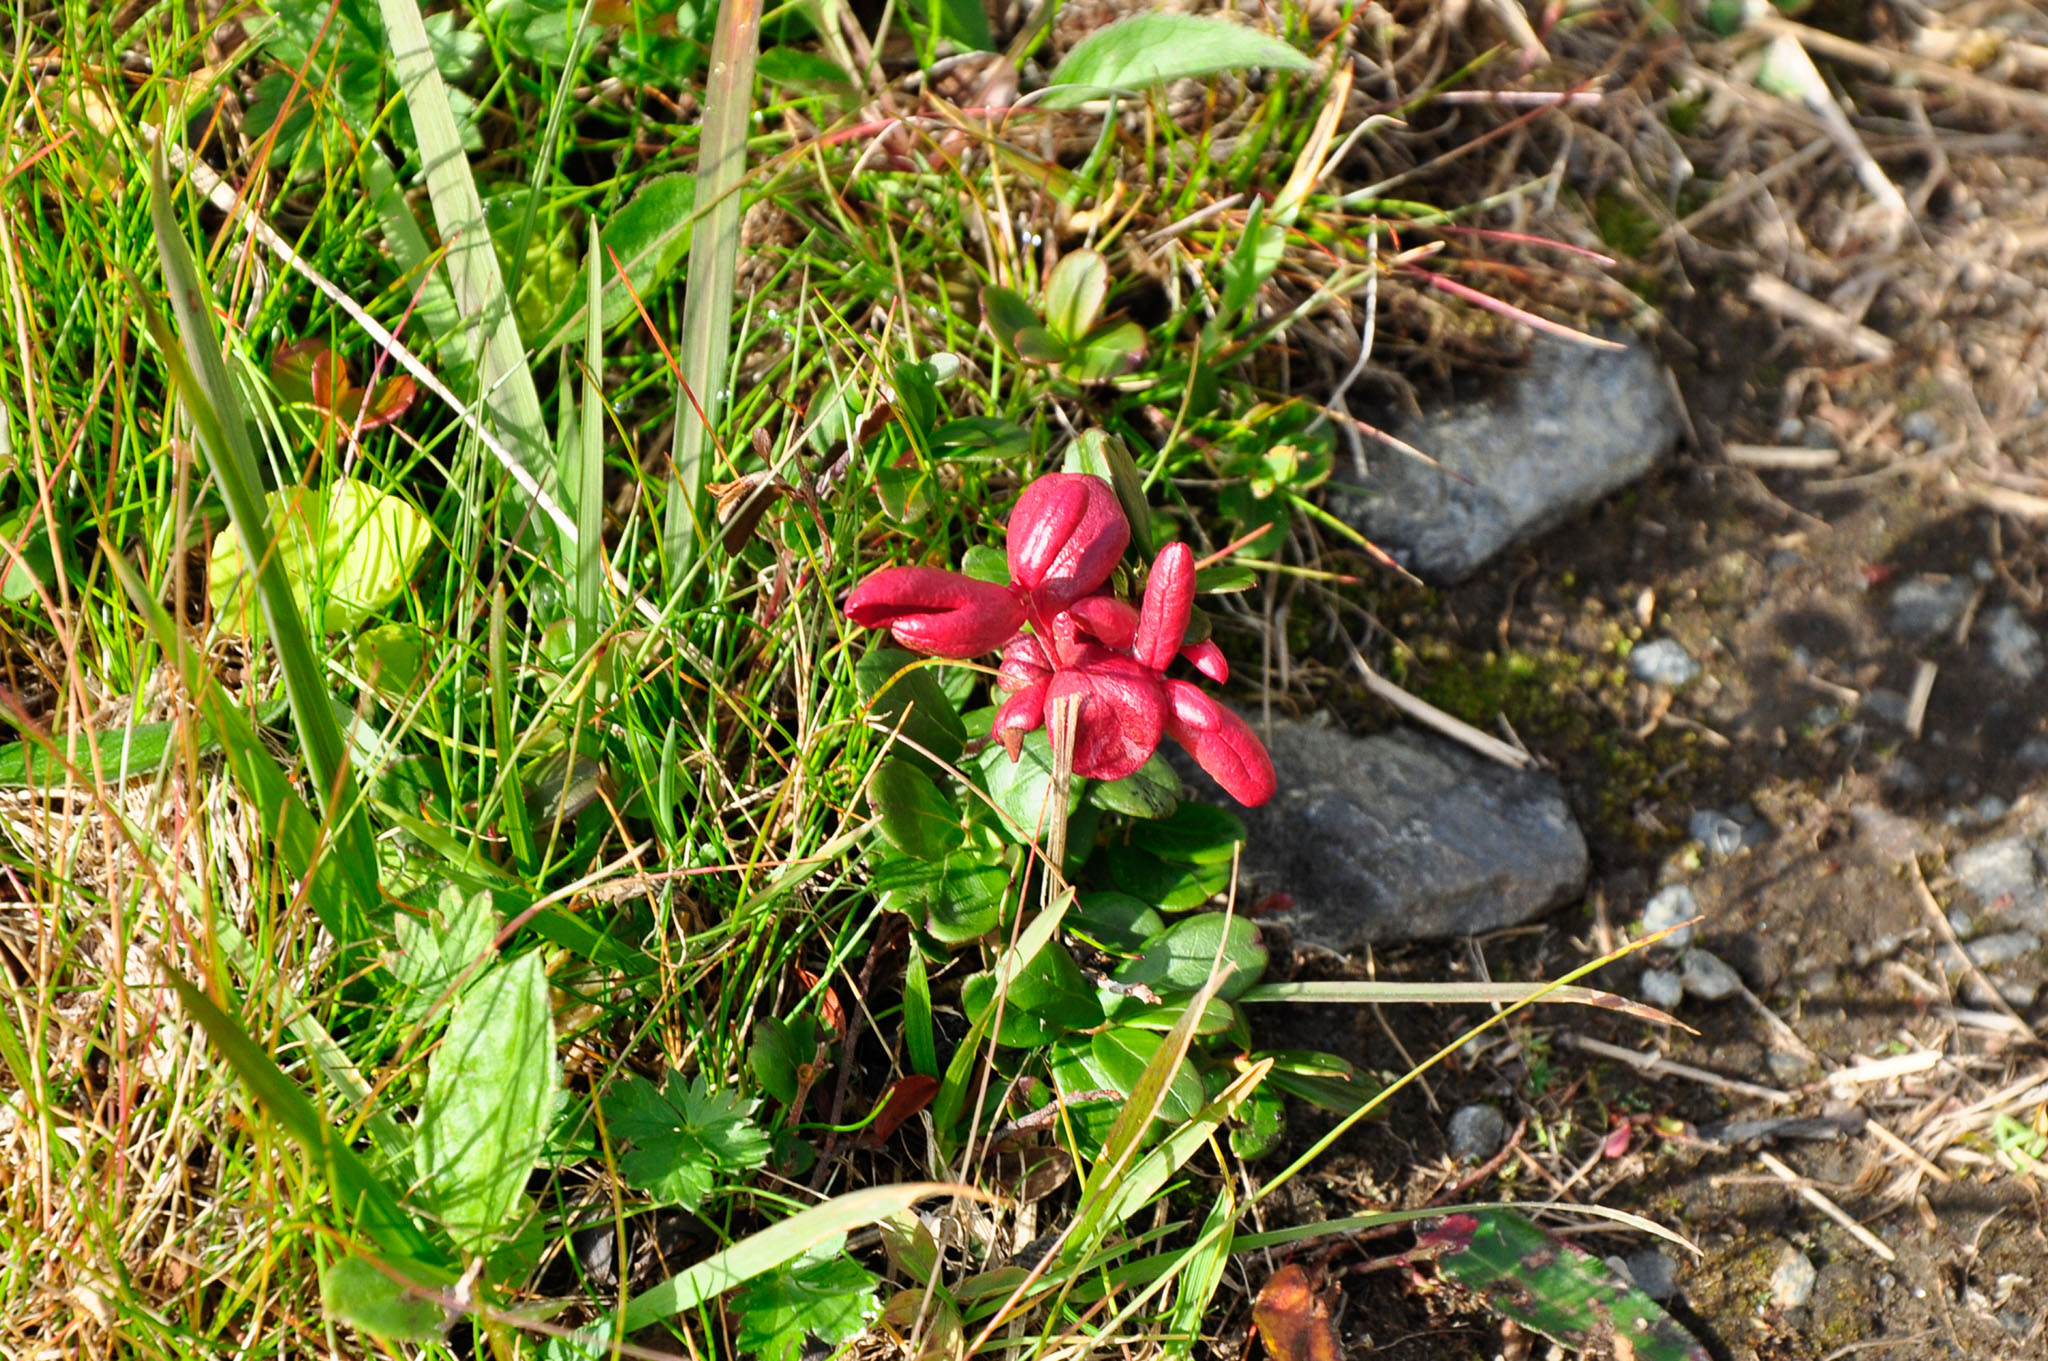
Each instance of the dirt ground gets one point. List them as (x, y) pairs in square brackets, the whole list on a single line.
[(1906, 1099)]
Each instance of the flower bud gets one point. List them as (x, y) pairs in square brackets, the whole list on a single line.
[(1066, 535), (1169, 596), (1221, 744), (938, 613)]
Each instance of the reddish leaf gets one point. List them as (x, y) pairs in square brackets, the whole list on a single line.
[(1294, 1320), (308, 371), (907, 1096)]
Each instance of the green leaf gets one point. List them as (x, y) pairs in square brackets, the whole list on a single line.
[(1225, 578), (1152, 49), (1074, 294), (1175, 887), (1022, 789), (1198, 1282), (1116, 921), (825, 1294), (1179, 959), (1262, 1120), (682, 1134), (116, 754), (985, 562), (1108, 353), (781, 1242), (1048, 996), (1196, 834), (1007, 313), (902, 694), (964, 21), (798, 69), (921, 821), (346, 553), (435, 953), (780, 1048), (356, 1291), (489, 1092), (1553, 1287), (30, 557), (646, 240), (392, 658), (1151, 791), (1103, 454), (1342, 1095), (1258, 254), (957, 899), (1124, 1053)]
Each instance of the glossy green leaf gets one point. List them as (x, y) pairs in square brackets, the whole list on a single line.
[(392, 658), (1152, 49), (1007, 313), (1116, 921), (1180, 958), (1152, 791), (1123, 1053), (1108, 353), (1260, 1123), (1048, 996), (490, 1089), (778, 1050), (824, 1294), (347, 553), (1022, 789), (915, 815), (1175, 887), (902, 694), (957, 899), (1196, 834), (638, 251)]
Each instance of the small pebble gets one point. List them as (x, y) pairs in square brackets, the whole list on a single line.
[(2001, 873), (1708, 977), (1890, 836), (1982, 813), (2002, 947), (1476, 1132), (1670, 906), (2014, 645), (1787, 1068), (1923, 425), (1663, 989), (1927, 606), (1793, 1279), (1719, 833), (2032, 753), (1663, 662), (1888, 705), (1654, 1273), (1900, 776)]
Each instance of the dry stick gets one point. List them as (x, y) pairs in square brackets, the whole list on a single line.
[(1925, 896), (1903, 1149), (223, 197), (1812, 1196), (1780, 456), (1652, 1063), (1422, 711), (1814, 314), (1893, 63), (1917, 697)]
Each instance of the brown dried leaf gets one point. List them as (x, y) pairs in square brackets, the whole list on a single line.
[(1293, 1320)]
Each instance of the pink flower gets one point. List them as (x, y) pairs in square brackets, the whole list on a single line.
[(1093, 650)]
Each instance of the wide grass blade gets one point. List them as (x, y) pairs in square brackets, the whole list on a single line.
[(366, 1203), (201, 374), (472, 259), (588, 482), (714, 257), (781, 1242)]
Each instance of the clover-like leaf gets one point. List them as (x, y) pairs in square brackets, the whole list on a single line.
[(348, 552), (823, 1294), (681, 1136)]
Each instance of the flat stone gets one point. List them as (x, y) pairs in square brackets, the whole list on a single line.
[(1663, 989), (1476, 1132), (1792, 1279), (1654, 1273), (1988, 952), (1669, 906), (1708, 977), (1403, 836), (2005, 879), (1928, 606), (1572, 426), (2014, 645), (1888, 835), (1663, 662)]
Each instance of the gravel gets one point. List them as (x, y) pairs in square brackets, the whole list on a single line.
[(1664, 662), (1668, 907), (1476, 1132)]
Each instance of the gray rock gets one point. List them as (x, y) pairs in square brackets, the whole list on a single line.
[(1928, 606), (1719, 833), (2033, 753), (1654, 1273), (1671, 905), (1476, 1132), (1663, 989), (1988, 952), (1663, 662), (1792, 1280), (1923, 425), (1787, 1067), (1888, 705), (1708, 977), (2014, 645), (1574, 425), (1404, 836), (1888, 835), (2005, 878)]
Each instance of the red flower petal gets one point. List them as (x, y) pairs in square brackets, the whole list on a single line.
[(1024, 663), (939, 613), (1220, 743), (1065, 537), (1021, 713), (1169, 596), (1107, 620), (1208, 659), (1121, 716)]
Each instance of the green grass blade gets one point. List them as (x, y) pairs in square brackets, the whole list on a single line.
[(714, 257), (589, 481), (783, 1241), (472, 260), (366, 1203), (510, 792), (201, 373)]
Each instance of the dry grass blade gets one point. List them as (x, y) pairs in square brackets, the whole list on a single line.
[(714, 256), (1453, 993)]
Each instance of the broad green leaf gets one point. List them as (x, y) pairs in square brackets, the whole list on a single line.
[(1116, 921), (1074, 294), (681, 1135), (985, 562), (1553, 1287), (1196, 834), (490, 1089), (1151, 791), (438, 952), (1109, 353), (1152, 49), (921, 821), (356, 1291), (1048, 997), (781, 1242), (964, 21), (1342, 1095), (113, 754), (1174, 886), (904, 695), (1261, 1121), (362, 1199), (1134, 1014), (1022, 789), (824, 1293), (1007, 313), (29, 557), (1225, 578), (393, 659), (803, 70), (957, 899), (1124, 1053), (645, 240), (780, 1048), (346, 553), (1179, 959)]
